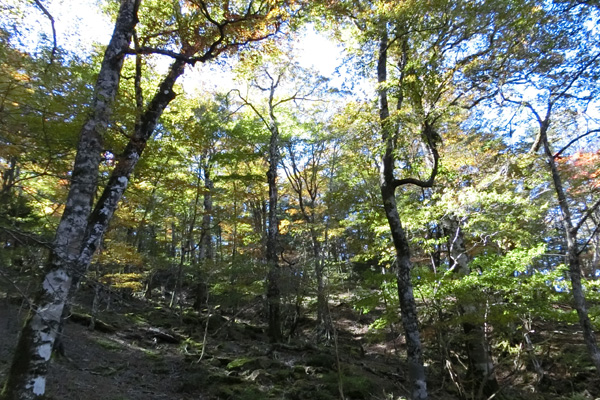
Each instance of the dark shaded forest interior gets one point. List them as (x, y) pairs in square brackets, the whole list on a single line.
[(295, 199), (140, 349)]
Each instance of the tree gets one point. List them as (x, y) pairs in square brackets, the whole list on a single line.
[(270, 79), (305, 180), (27, 376), (434, 48), (564, 79), (81, 227)]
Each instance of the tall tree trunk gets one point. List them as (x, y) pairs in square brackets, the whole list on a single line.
[(39, 334), (302, 182), (27, 375), (119, 178), (571, 233), (408, 307), (206, 253), (206, 245), (481, 364), (322, 314), (273, 275)]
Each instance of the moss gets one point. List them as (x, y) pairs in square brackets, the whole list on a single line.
[(191, 346), (309, 390), (283, 375), (238, 363), (240, 392), (136, 318), (108, 344)]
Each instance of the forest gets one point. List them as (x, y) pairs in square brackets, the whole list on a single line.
[(205, 202)]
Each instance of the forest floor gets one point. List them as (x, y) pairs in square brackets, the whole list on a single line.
[(148, 351)]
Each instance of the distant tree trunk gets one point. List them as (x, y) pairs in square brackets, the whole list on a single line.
[(206, 242), (259, 220), (301, 182), (9, 177), (145, 236), (187, 245), (388, 185), (272, 220), (27, 375), (322, 314), (481, 363), (273, 275), (205, 253)]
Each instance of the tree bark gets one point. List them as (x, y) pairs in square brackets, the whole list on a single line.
[(273, 275), (206, 243), (30, 365), (119, 178), (27, 375), (408, 307), (206, 253)]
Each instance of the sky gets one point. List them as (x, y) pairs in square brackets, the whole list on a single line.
[(80, 25)]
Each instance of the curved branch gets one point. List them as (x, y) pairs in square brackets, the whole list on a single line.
[(431, 137)]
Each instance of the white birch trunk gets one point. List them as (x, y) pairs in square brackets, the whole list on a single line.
[(27, 376)]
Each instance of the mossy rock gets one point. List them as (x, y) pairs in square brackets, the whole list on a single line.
[(201, 379), (259, 376), (218, 361), (283, 375), (251, 363), (240, 363), (226, 379), (109, 344)]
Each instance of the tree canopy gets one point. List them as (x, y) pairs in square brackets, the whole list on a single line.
[(443, 182)]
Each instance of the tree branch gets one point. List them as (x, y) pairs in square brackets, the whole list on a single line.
[(51, 18), (557, 155), (431, 136), (589, 240), (588, 213)]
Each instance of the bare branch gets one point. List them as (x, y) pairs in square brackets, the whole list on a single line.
[(588, 213), (51, 18), (575, 140), (587, 242), (247, 103)]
